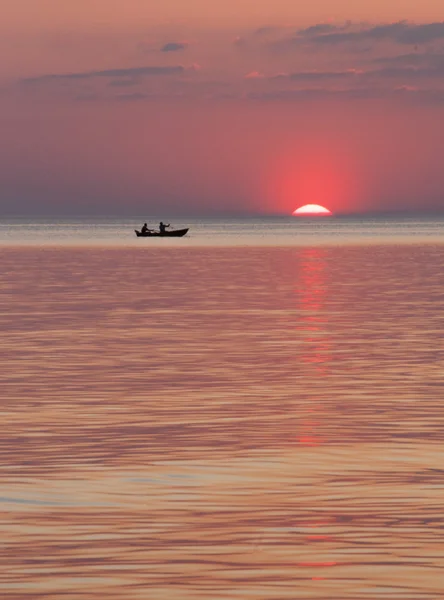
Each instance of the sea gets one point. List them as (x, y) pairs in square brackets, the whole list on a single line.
[(255, 410)]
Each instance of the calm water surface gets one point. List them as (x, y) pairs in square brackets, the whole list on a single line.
[(259, 231), (220, 423)]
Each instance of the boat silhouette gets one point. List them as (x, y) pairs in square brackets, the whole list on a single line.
[(173, 233)]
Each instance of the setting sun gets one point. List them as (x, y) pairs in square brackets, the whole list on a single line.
[(312, 210)]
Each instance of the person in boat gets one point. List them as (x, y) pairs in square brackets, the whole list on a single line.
[(145, 228), (162, 227)]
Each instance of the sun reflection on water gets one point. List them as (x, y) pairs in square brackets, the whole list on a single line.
[(221, 422), (312, 326)]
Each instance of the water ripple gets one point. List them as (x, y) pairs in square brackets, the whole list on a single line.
[(222, 422)]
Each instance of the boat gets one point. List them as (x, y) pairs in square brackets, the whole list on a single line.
[(173, 233)]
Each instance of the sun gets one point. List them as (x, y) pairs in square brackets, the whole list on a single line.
[(312, 210)]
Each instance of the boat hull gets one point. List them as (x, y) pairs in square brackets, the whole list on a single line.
[(174, 233)]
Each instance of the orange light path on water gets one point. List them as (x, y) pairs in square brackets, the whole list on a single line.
[(311, 291)]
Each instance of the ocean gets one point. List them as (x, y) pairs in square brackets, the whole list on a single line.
[(252, 411), (259, 231)]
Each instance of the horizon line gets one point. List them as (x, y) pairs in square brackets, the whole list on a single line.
[(214, 215)]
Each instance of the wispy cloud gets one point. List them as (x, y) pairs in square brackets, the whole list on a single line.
[(317, 75), (278, 74), (418, 59), (124, 82), (406, 93), (311, 94), (254, 75), (130, 72), (421, 34), (379, 32), (400, 32), (321, 29), (407, 73), (174, 47)]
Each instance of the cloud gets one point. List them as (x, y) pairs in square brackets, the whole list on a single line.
[(400, 32), (406, 93), (356, 75), (123, 82), (131, 72), (267, 30), (136, 97), (318, 75), (408, 72), (254, 75), (430, 59), (421, 34), (320, 28), (129, 97), (174, 47), (312, 94)]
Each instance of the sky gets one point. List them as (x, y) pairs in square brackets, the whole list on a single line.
[(191, 107)]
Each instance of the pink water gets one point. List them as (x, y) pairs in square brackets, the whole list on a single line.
[(222, 423)]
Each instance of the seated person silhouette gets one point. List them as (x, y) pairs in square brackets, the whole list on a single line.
[(145, 228), (162, 227)]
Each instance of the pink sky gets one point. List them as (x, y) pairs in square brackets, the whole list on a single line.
[(191, 107)]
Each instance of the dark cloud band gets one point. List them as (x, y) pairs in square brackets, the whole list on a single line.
[(132, 72), (173, 47)]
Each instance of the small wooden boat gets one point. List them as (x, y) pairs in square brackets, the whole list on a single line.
[(173, 233)]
